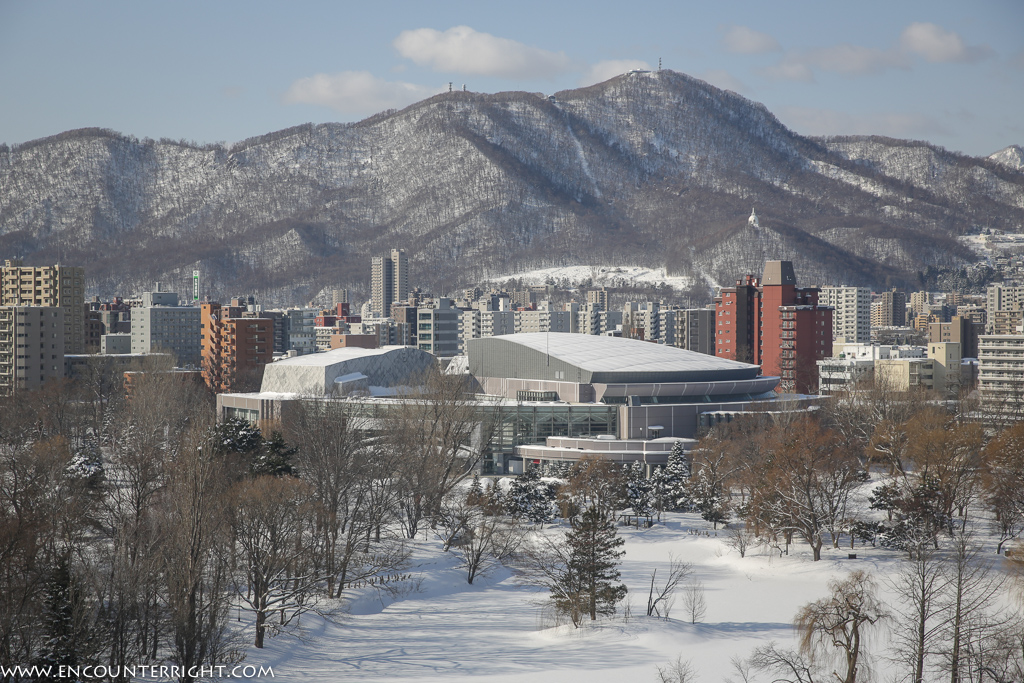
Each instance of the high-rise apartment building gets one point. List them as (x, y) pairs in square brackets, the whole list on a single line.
[(695, 330), (599, 297), (58, 286), (1001, 375), (960, 330), (920, 303), (31, 347), (642, 320), (438, 329), (737, 320), (1002, 298), (234, 348), (389, 281), (543, 319), (775, 324), (1004, 322), (889, 309), (851, 317)]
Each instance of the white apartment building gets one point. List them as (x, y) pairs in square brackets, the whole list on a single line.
[(1002, 298), (1001, 375), (851, 319), (544, 319)]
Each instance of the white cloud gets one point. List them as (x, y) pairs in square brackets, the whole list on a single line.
[(843, 58), (610, 68), (791, 68), (720, 78), (810, 121), (355, 92), (745, 40), (855, 59), (463, 50), (930, 41), (936, 44)]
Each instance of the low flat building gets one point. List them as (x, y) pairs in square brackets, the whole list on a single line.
[(115, 344), (651, 453)]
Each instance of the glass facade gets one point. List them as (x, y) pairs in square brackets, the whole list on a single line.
[(242, 414), (522, 423)]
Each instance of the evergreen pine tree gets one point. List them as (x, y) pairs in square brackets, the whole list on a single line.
[(494, 502), (475, 495), (708, 499), (274, 457), (238, 436), (592, 568), (67, 638), (530, 497), (675, 480), (263, 456), (639, 490)]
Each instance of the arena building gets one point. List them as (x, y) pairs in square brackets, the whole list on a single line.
[(558, 391)]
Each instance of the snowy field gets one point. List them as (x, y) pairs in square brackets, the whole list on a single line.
[(496, 630)]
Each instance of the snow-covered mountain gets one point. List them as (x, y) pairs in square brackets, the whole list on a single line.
[(1012, 157), (654, 169)]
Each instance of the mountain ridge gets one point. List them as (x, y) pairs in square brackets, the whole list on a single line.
[(656, 169)]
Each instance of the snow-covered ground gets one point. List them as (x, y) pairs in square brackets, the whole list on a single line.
[(988, 246), (497, 630), (600, 275)]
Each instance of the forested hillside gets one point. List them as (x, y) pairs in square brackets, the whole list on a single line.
[(647, 169)]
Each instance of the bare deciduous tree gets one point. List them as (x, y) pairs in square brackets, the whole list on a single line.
[(440, 435), (919, 585), (489, 540), (271, 523), (195, 554), (785, 665), (835, 628), (694, 601), (677, 671), (660, 596), (808, 481)]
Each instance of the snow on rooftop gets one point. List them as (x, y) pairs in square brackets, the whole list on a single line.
[(333, 356), (615, 354)]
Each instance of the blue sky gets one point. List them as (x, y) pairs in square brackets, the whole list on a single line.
[(951, 73)]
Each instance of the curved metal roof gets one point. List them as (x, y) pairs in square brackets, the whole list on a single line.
[(597, 359), (615, 354)]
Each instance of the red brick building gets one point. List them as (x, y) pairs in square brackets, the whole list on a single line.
[(774, 324), (234, 349)]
